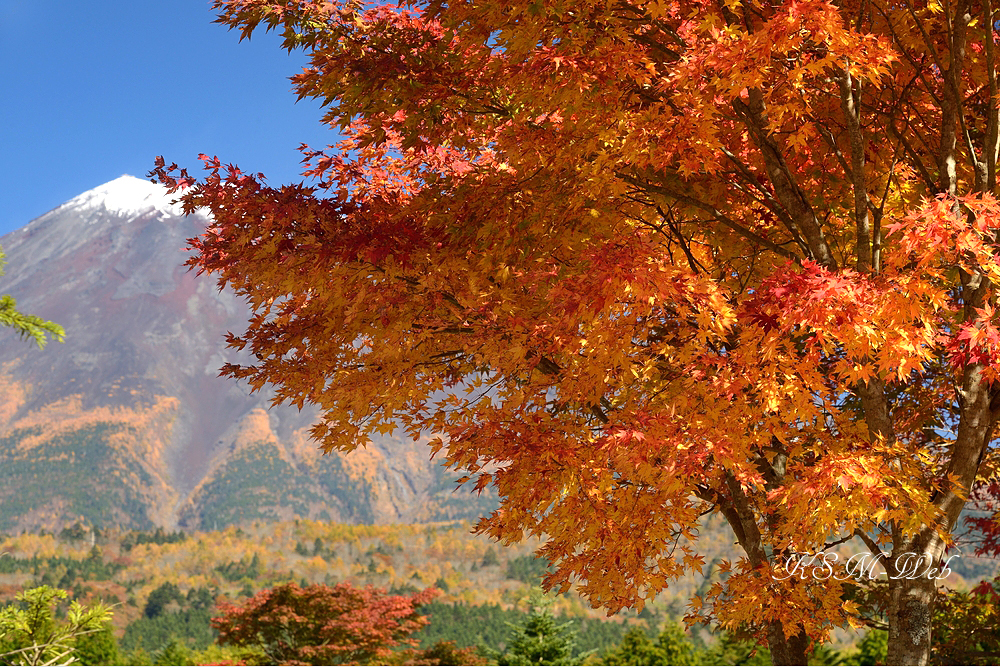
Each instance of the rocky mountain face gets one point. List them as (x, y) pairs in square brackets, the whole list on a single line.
[(128, 423)]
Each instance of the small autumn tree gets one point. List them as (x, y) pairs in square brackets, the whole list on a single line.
[(323, 625), (632, 262)]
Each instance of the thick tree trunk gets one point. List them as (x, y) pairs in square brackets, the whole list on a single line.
[(911, 593), (787, 650), (910, 609)]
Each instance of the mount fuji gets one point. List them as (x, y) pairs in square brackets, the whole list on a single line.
[(128, 424)]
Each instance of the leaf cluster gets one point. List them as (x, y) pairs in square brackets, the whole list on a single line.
[(31, 635)]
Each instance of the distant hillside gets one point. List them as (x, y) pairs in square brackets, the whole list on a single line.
[(127, 423), (467, 568)]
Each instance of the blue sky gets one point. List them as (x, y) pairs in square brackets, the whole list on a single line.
[(93, 90)]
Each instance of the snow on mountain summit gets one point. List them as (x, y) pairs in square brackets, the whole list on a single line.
[(127, 195)]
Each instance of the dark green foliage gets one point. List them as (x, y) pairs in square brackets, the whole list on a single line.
[(98, 648), (92, 568), (188, 623), (159, 536), (6, 645), (174, 653), (874, 648), (356, 496), (731, 650), (488, 626), (75, 532), (160, 597), (469, 625), (490, 557), (636, 649), (595, 634), (672, 647), (138, 657), (540, 640), (238, 571), (190, 626), (528, 569), (200, 598)]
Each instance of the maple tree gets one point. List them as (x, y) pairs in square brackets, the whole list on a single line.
[(323, 625), (635, 261), (984, 518)]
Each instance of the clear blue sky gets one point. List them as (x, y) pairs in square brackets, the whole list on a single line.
[(95, 89)]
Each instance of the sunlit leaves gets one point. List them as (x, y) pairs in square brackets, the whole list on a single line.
[(606, 254)]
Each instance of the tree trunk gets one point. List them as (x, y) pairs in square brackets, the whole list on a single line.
[(787, 650), (790, 650), (910, 610)]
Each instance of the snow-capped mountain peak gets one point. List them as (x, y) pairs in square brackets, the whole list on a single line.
[(127, 195)]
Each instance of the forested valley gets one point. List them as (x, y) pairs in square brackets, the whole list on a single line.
[(163, 589)]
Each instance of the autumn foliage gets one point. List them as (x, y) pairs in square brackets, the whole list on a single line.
[(323, 625), (632, 262)]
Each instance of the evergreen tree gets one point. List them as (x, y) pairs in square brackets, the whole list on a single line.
[(31, 635), (672, 647), (540, 640), (874, 648), (636, 648), (675, 645), (160, 597), (98, 648), (734, 650), (174, 653)]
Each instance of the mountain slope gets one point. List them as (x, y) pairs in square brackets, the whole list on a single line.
[(128, 421)]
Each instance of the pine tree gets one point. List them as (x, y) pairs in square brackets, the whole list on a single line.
[(540, 640), (98, 648), (27, 326), (31, 635), (672, 647)]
